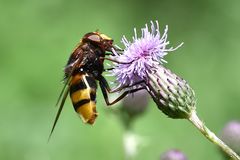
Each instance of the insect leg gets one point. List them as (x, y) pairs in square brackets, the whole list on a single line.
[(108, 69), (106, 89), (113, 90), (114, 49), (108, 54), (113, 60), (105, 94)]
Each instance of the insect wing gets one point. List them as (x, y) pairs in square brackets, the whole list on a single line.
[(59, 110), (62, 97)]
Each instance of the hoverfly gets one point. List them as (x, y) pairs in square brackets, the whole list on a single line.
[(83, 68)]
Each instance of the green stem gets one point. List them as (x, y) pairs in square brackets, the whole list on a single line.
[(211, 136)]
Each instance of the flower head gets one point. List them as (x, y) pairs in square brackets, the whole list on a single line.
[(143, 54), (143, 59)]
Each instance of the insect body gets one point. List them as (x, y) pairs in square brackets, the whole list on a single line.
[(83, 69)]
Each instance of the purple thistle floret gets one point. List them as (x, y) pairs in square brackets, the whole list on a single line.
[(143, 54)]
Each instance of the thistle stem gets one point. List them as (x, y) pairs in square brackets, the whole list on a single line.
[(211, 136)]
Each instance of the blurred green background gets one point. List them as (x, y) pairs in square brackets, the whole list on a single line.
[(37, 37)]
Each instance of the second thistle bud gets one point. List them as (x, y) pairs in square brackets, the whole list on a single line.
[(133, 106), (171, 93), (136, 103), (231, 135), (173, 155)]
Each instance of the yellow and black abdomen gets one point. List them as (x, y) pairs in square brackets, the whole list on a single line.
[(83, 95)]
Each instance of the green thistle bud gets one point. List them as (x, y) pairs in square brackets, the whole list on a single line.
[(171, 93)]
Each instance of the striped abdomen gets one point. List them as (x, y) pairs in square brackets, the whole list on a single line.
[(83, 95)]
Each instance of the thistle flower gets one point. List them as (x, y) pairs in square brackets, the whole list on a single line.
[(171, 93), (141, 67), (231, 135), (173, 155)]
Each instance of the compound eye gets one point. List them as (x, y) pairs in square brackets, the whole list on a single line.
[(94, 38)]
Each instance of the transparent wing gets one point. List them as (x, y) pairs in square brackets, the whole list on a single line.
[(62, 97)]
